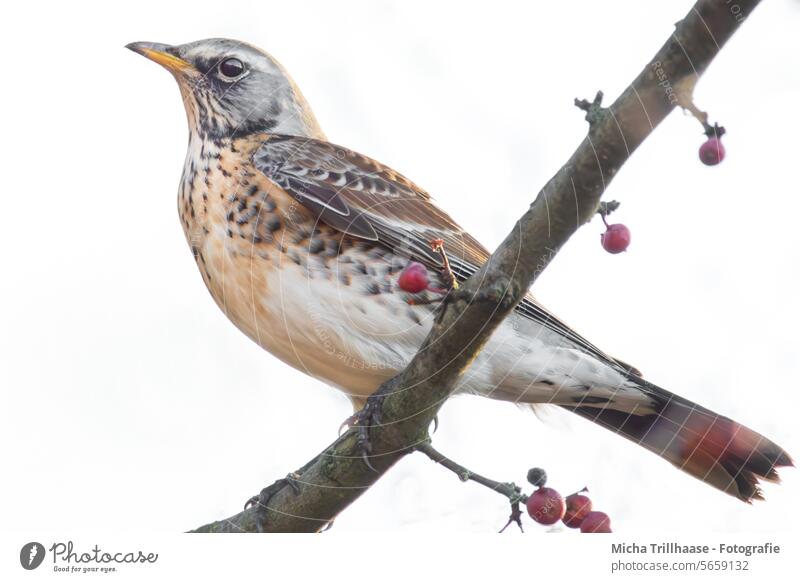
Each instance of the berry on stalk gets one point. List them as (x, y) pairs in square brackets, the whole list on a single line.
[(712, 151), (578, 507), (414, 278), (616, 238), (546, 506)]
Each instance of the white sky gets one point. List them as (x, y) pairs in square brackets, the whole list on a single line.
[(122, 381)]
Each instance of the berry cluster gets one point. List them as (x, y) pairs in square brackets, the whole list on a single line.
[(546, 506)]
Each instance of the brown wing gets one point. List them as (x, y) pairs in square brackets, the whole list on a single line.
[(362, 197)]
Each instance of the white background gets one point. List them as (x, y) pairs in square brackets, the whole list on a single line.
[(131, 405)]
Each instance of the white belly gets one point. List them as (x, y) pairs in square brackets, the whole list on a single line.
[(321, 318)]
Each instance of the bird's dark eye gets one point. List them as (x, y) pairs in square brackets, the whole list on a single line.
[(231, 68)]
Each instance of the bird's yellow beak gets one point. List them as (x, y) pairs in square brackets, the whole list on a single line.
[(161, 54)]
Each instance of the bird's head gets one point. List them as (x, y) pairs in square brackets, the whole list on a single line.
[(232, 89)]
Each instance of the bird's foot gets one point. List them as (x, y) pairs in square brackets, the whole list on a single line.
[(370, 415), (261, 500)]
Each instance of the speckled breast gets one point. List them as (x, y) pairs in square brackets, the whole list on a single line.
[(325, 303)]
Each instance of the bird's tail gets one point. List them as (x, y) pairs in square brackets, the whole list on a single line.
[(706, 445)]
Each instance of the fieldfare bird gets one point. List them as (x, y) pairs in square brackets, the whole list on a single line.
[(301, 242)]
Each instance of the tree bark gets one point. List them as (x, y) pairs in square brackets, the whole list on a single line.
[(409, 402)]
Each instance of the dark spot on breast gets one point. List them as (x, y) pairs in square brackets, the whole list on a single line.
[(372, 288), (273, 223), (268, 204), (315, 245), (293, 255), (301, 235)]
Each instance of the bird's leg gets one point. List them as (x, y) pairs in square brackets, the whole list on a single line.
[(370, 415), (261, 500)]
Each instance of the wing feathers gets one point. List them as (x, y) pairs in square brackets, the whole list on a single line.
[(362, 197)]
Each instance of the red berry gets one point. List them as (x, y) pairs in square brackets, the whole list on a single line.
[(546, 506), (578, 506), (712, 151), (616, 238), (414, 278), (596, 522)]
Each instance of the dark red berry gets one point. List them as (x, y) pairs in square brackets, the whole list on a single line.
[(578, 506), (616, 238), (546, 506), (712, 151), (414, 278), (596, 522)]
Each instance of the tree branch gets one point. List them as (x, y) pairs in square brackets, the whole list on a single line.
[(468, 316)]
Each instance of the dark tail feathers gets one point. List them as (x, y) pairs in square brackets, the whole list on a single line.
[(710, 447)]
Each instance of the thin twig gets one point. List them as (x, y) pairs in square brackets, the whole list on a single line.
[(437, 244), (509, 490)]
